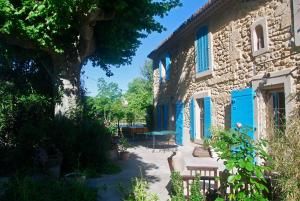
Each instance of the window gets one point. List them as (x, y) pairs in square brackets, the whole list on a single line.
[(296, 20), (165, 68), (259, 36), (276, 109), (200, 118), (203, 52)]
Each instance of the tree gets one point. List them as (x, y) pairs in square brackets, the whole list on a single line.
[(140, 94), (71, 32), (108, 98)]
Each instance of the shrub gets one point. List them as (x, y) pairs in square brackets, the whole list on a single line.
[(239, 152), (285, 150), (196, 194), (140, 192), (177, 187), (83, 144), (26, 189)]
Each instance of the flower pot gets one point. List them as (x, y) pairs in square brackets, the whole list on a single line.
[(124, 155)]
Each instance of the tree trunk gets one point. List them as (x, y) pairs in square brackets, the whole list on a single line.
[(67, 85)]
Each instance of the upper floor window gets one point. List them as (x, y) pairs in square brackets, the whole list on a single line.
[(203, 51), (165, 68), (259, 37)]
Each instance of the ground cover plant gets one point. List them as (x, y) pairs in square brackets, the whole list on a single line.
[(240, 154)]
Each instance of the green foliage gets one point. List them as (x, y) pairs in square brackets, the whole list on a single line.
[(54, 26), (285, 151), (123, 144), (139, 191), (140, 95), (238, 151), (26, 189), (177, 187), (196, 194), (85, 142)]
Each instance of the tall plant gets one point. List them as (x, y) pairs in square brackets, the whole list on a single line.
[(240, 154), (285, 150)]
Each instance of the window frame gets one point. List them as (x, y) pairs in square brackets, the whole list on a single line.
[(209, 71), (263, 23)]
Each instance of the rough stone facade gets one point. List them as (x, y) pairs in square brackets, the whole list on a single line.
[(234, 66)]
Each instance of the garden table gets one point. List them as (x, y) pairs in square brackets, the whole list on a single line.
[(159, 133)]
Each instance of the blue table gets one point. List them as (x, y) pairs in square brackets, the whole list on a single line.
[(160, 133)]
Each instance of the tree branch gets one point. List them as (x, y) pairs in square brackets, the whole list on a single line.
[(86, 37), (25, 44)]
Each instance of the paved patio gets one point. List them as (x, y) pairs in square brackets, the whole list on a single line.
[(154, 167)]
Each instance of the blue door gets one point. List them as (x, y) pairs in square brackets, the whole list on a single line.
[(179, 122), (242, 110)]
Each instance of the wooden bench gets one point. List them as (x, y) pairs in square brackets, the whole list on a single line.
[(208, 176)]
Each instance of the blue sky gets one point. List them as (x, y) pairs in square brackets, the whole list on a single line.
[(125, 74)]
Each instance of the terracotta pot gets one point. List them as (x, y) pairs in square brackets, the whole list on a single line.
[(124, 155)]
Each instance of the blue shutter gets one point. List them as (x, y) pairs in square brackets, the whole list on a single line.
[(242, 110), (158, 117), (168, 67), (160, 70), (179, 122), (207, 117), (203, 52), (166, 117), (192, 120)]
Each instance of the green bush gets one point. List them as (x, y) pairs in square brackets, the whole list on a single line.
[(139, 191), (239, 153), (177, 193), (26, 189), (84, 144), (196, 194), (285, 150), (177, 187)]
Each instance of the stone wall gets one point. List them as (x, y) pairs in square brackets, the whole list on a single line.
[(234, 65)]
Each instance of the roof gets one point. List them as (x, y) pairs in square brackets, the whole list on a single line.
[(209, 8)]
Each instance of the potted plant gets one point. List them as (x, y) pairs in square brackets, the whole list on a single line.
[(123, 146)]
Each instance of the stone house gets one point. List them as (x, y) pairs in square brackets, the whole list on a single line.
[(233, 61)]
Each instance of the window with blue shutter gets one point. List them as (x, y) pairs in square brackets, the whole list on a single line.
[(158, 117), (203, 50), (166, 116), (192, 120), (179, 122), (207, 116), (242, 110), (168, 67)]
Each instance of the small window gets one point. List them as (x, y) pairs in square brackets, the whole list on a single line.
[(259, 37), (277, 109)]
